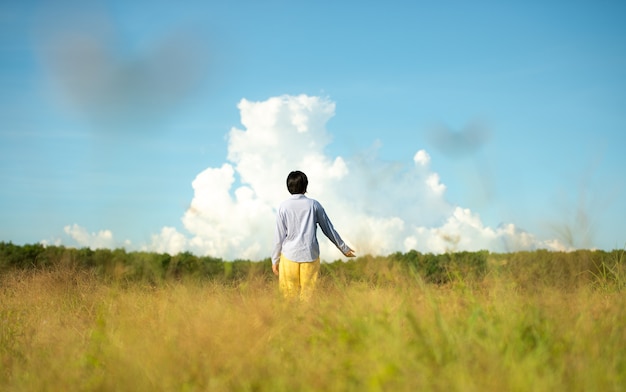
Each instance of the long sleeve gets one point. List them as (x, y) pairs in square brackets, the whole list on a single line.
[(280, 232), (329, 231), (295, 234)]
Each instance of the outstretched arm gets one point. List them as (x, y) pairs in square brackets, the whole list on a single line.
[(330, 232)]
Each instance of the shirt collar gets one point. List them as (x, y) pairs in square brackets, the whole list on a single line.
[(297, 196)]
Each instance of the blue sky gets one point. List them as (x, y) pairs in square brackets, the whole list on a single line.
[(109, 111)]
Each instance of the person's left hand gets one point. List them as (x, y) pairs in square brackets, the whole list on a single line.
[(275, 268), (350, 253)]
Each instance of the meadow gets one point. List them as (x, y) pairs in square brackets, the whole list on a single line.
[(525, 321)]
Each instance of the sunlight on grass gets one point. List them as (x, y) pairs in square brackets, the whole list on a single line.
[(67, 329)]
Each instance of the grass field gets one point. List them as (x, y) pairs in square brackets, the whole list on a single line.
[(66, 329)]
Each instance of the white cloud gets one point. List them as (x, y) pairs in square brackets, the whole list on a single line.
[(421, 158), (434, 184), (101, 239), (168, 241), (377, 207)]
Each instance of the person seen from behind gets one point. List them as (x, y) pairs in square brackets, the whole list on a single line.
[(296, 254)]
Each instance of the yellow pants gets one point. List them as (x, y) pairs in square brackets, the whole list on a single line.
[(297, 279)]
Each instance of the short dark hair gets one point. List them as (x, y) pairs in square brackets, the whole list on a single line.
[(297, 182)]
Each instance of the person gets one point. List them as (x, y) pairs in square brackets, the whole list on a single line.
[(296, 254)]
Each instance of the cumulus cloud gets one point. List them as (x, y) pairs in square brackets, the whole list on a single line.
[(433, 182), (378, 207), (168, 241), (101, 239), (421, 158)]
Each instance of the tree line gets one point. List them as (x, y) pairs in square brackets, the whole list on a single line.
[(524, 267)]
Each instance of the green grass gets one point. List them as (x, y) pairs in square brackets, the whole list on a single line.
[(66, 328)]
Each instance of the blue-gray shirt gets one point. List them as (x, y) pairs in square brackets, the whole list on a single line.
[(296, 230)]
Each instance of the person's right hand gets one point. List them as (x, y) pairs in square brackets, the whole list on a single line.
[(350, 253)]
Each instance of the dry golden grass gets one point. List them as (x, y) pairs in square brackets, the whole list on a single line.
[(66, 329)]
